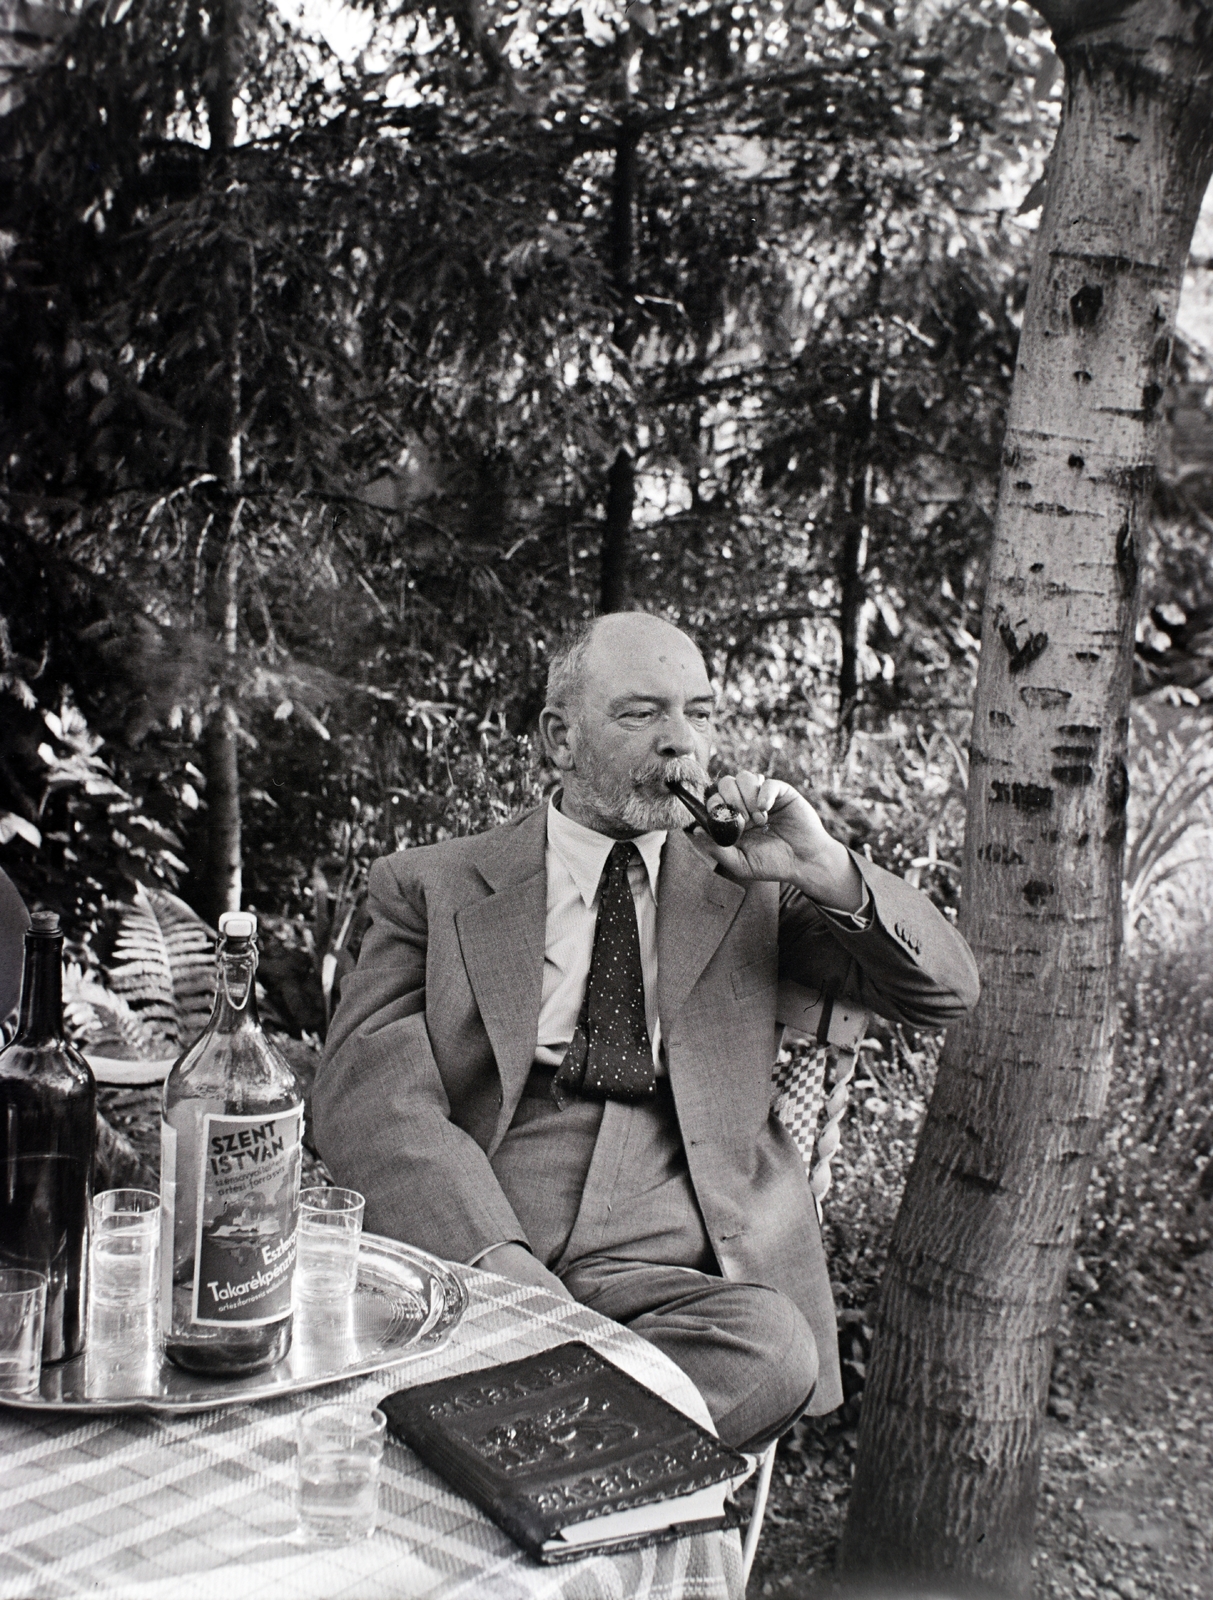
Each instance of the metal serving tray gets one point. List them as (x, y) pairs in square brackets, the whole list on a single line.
[(405, 1305)]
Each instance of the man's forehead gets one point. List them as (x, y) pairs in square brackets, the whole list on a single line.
[(647, 661)]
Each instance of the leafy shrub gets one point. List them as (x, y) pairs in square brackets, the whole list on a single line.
[(155, 994), (1151, 1194)]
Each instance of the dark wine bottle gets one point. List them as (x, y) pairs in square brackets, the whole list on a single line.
[(48, 1109), (230, 1158)]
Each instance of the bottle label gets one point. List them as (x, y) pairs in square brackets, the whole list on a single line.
[(248, 1213)]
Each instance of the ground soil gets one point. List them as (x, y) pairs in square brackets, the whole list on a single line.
[(1126, 1503)]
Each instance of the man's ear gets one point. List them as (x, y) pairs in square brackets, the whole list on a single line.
[(554, 730)]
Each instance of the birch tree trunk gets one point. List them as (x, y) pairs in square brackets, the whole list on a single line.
[(223, 888), (949, 1446), (615, 561)]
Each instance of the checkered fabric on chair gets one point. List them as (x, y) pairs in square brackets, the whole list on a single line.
[(798, 1099), (801, 1097)]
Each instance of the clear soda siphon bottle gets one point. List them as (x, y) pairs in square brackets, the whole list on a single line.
[(48, 1131), (230, 1156)]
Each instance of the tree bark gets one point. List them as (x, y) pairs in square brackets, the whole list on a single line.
[(223, 887), (616, 555), (853, 593), (853, 589), (615, 559), (224, 871), (949, 1446)]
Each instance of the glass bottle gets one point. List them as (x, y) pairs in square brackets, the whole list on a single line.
[(230, 1155), (48, 1131)]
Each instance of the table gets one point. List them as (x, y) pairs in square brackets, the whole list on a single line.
[(201, 1507)]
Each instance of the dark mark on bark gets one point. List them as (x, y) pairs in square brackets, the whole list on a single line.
[(1075, 777), (1151, 394), (1023, 486), (976, 1180), (1125, 138), (1022, 655), (1078, 752), (1082, 841), (1118, 785), (1036, 893), (1086, 305), (1077, 462), (1044, 698), (1037, 566), (1082, 377), (999, 719), (1001, 855), (1023, 796), (1010, 458), (1126, 560), (1046, 508), (1090, 656), (1081, 730)]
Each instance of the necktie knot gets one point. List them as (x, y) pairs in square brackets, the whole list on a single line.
[(620, 859)]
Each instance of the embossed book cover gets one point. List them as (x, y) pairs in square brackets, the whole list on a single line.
[(569, 1454)]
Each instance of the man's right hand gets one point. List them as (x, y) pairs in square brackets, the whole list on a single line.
[(515, 1261)]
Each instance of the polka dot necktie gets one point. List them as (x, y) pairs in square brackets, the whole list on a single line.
[(611, 1054)]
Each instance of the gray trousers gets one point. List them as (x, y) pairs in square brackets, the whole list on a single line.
[(603, 1192)]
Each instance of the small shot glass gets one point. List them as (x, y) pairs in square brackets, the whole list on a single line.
[(339, 1451), (330, 1227), (22, 1315), (124, 1248)]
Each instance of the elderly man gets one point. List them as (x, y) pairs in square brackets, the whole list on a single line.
[(554, 1057)]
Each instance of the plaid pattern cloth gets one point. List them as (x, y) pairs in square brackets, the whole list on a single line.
[(798, 1089), (202, 1507)]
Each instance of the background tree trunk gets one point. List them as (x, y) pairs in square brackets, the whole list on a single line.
[(615, 560), (853, 590), (949, 1445), (223, 887)]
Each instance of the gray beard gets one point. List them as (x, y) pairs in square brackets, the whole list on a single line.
[(621, 802)]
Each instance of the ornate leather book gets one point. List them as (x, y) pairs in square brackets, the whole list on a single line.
[(569, 1454)]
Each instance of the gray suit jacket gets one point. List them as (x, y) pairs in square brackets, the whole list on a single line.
[(435, 1034)]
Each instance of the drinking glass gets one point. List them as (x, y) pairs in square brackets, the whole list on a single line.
[(330, 1226), (22, 1315), (124, 1249), (340, 1448)]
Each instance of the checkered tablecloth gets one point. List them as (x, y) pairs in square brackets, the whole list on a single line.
[(202, 1507)]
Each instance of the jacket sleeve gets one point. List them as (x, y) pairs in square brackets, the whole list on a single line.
[(910, 965), (380, 1112)]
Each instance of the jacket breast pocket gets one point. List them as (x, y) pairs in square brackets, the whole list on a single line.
[(754, 978)]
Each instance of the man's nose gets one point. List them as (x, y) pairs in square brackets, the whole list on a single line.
[(676, 737)]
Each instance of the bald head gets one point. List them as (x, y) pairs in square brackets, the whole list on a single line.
[(614, 644)]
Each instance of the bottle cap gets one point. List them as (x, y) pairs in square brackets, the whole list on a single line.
[(237, 925), (44, 922)]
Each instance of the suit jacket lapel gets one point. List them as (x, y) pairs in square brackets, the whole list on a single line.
[(695, 909), (501, 938)]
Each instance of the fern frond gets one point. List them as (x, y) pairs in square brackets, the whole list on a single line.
[(102, 1020), (164, 965)]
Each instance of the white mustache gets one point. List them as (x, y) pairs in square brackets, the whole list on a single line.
[(685, 769)]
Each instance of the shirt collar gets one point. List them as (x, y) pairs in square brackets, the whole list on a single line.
[(584, 852)]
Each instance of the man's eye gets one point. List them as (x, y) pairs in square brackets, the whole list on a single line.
[(700, 716)]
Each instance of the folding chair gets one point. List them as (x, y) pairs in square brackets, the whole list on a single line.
[(800, 1099)]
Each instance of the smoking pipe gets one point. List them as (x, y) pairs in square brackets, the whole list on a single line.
[(724, 825)]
